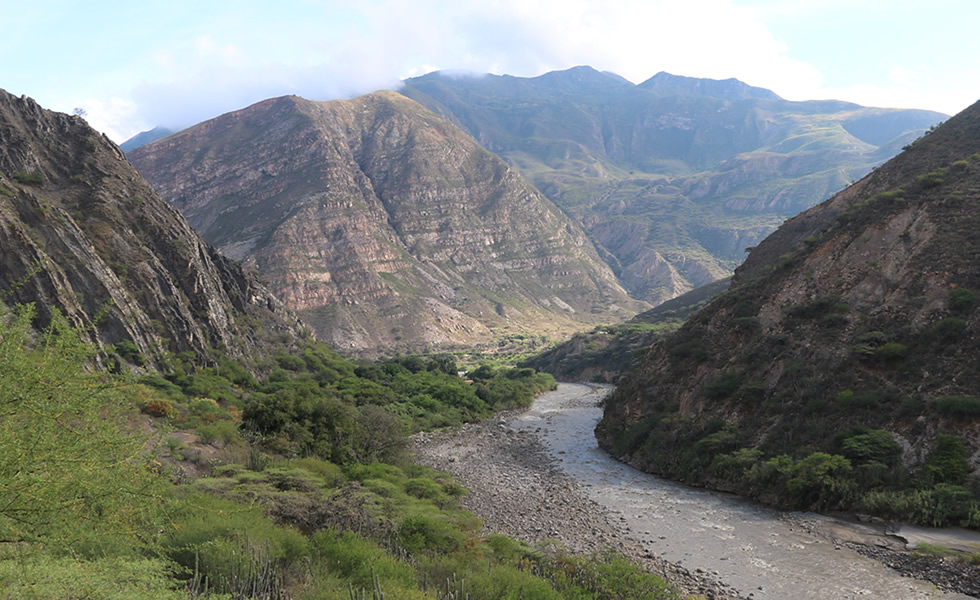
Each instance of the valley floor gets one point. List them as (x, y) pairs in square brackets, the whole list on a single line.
[(517, 489), (520, 485)]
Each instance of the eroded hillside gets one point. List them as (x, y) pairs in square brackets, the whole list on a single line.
[(840, 369), (384, 225)]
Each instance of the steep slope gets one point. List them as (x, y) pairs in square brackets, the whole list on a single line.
[(847, 342), (674, 177), (82, 232), (383, 224)]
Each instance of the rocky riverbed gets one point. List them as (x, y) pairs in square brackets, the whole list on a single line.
[(528, 479), (518, 489)]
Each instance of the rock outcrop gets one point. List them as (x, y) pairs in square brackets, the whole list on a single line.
[(383, 225), (82, 232)]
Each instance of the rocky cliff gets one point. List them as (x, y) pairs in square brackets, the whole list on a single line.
[(847, 341), (673, 178), (383, 225), (82, 232)]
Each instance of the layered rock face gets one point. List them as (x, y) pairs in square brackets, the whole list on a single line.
[(383, 224), (672, 178), (82, 232), (862, 313)]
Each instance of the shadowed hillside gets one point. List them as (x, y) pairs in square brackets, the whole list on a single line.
[(839, 370)]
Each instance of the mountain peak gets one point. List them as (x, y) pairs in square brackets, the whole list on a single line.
[(666, 84), (582, 74), (383, 224)]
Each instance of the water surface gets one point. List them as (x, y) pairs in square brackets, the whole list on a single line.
[(754, 549)]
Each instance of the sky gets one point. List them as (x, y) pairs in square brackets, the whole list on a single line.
[(133, 65)]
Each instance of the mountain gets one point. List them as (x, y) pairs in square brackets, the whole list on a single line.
[(384, 225), (665, 84), (145, 137), (83, 233), (840, 369), (673, 178)]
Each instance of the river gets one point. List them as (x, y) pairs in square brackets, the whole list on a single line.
[(762, 553)]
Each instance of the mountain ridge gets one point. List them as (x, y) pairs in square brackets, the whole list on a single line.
[(83, 233), (672, 185), (383, 224)]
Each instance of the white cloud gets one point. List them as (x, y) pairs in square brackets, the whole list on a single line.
[(118, 118), (344, 49)]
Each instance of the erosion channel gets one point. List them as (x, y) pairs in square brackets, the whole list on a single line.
[(539, 475)]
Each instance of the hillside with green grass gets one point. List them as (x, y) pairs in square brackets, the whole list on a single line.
[(295, 485), (839, 371), (675, 177)]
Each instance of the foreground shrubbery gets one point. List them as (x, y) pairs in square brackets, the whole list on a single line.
[(88, 511), (860, 469)]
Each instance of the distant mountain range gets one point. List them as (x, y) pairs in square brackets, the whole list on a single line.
[(145, 137), (387, 226), (384, 225), (672, 178)]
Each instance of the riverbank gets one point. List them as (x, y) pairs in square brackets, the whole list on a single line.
[(518, 489), (525, 472)]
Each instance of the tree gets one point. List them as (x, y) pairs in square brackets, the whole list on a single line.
[(68, 473)]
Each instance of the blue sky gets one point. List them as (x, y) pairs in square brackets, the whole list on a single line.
[(134, 65)]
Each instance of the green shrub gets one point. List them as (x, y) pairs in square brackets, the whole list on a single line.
[(129, 352), (818, 307), (68, 474), (871, 446), (360, 560), (425, 533), (948, 462), (724, 386), (331, 474), (932, 179), (219, 431), (961, 300), (43, 577), (33, 178), (959, 407), (948, 329)]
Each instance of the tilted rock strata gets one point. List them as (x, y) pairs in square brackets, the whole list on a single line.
[(383, 224), (82, 232)]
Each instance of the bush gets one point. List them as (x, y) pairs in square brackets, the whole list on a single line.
[(959, 407), (360, 561), (948, 329), (68, 473), (223, 431), (724, 386), (129, 352), (961, 300), (948, 462), (33, 178), (425, 533), (871, 446), (106, 579)]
